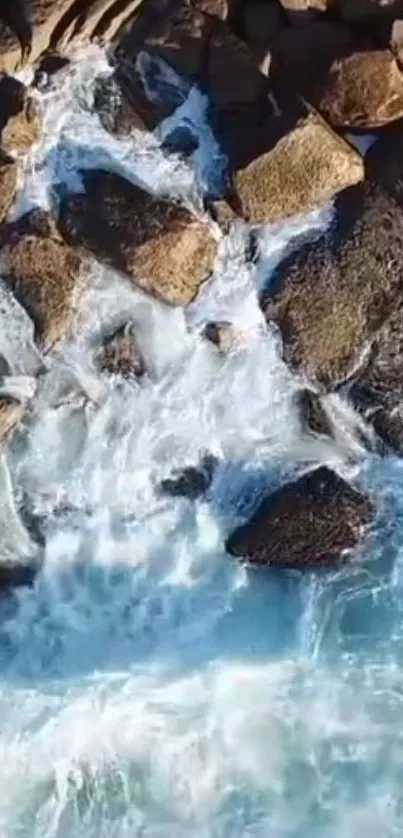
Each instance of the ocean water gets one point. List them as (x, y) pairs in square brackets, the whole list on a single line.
[(151, 687)]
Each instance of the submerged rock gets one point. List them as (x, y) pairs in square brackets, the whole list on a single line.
[(191, 482), (312, 414), (159, 244), (120, 354), (8, 183), (222, 334), (303, 170), (308, 524), (364, 90), (43, 272), (20, 120), (331, 297)]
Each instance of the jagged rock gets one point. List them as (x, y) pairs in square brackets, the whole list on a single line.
[(362, 10), (8, 183), (312, 414), (222, 334), (120, 354), (29, 29), (44, 274), (160, 245), (308, 524), (303, 170), (191, 482), (20, 120), (11, 413), (301, 59), (364, 91), (331, 298)]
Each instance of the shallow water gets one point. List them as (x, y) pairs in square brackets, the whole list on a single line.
[(150, 686)]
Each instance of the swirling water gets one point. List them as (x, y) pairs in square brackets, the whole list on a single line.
[(150, 686)]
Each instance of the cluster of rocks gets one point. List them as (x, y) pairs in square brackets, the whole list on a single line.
[(287, 82)]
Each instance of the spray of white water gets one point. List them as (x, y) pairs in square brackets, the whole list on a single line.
[(149, 686)]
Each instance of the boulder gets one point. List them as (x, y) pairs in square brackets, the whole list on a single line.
[(357, 11), (20, 120), (160, 245), (8, 183), (363, 91), (44, 274), (331, 298), (191, 482), (305, 168), (120, 354), (223, 335), (312, 523)]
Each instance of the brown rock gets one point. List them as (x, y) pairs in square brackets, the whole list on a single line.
[(11, 413), (44, 274), (331, 298), (115, 104), (362, 10), (305, 169), (311, 523), (166, 250), (396, 41), (8, 183), (223, 335), (120, 354), (20, 121), (384, 161), (364, 91)]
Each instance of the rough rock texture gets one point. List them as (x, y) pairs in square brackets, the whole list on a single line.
[(120, 354), (20, 120), (164, 248), (363, 10), (8, 183), (384, 161), (44, 274), (191, 482), (11, 413), (29, 28), (396, 41), (116, 109), (307, 524), (331, 298), (305, 169), (364, 90)]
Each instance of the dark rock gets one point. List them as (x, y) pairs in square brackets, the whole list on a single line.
[(49, 65), (116, 107), (166, 250), (20, 121), (331, 298), (361, 10), (16, 575), (43, 272), (312, 413), (261, 21), (190, 482), (120, 354), (308, 524), (222, 334)]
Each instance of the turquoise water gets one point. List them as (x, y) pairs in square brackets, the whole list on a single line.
[(149, 686)]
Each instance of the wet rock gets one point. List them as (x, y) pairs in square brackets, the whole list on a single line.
[(303, 170), (309, 524), (364, 91), (20, 121), (222, 334), (120, 354), (11, 413), (362, 10), (384, 161), (44, 274), (8, 183), (15, 35), (16, 575), (191, 482), (49, 65), (312, 414), (216, 8), (160, 245), (302, 57), (116, 109), (331, 298)]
